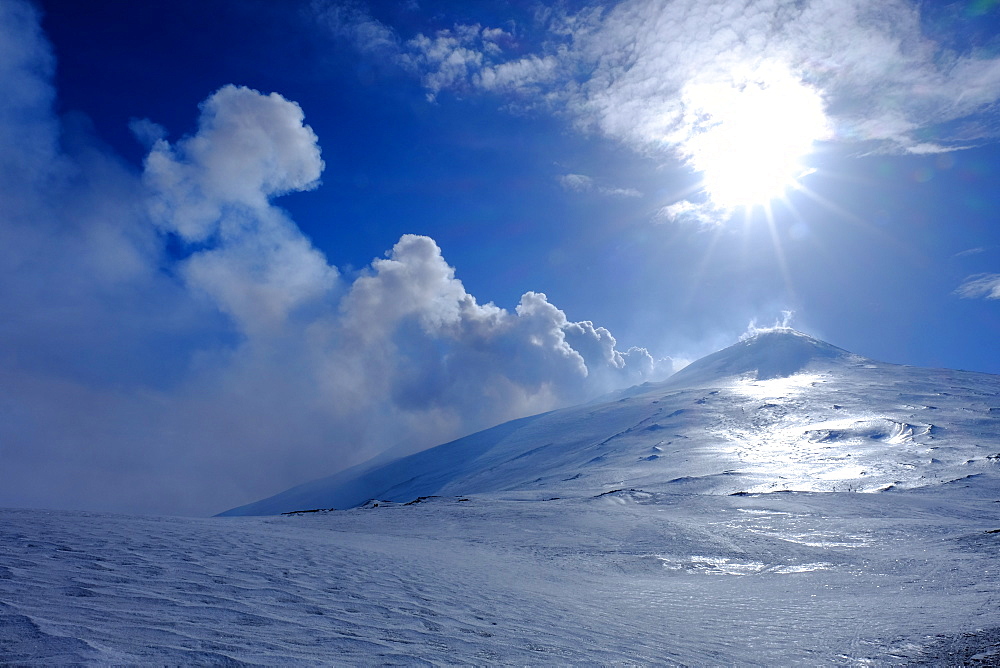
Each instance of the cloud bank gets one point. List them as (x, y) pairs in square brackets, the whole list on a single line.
[(172, 342)]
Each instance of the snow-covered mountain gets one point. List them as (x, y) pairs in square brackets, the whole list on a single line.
[(707, 520), (778, 411)]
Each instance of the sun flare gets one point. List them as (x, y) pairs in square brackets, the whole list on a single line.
[(751, 134)]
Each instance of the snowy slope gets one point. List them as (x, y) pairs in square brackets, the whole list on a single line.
[(656, 528), (779, 411)]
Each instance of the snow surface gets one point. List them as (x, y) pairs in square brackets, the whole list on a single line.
[(654, 528), (779, 411), (628, 577)]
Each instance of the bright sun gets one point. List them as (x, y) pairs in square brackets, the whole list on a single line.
[(751, 133)]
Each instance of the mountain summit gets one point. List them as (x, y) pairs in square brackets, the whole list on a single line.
[(771, 353), (777, 411)]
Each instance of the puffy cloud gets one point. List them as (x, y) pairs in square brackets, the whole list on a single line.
[(172, 342), (980, 285), (259, 276), (437, 349), (214, 188), (448, 58), (413, 281), (249, 147)]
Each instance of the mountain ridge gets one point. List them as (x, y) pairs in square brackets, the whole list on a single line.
[(779, 410)]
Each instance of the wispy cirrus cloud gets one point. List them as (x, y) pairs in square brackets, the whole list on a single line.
[(582, 183), (704, 213), (980, 285), (971, 251)]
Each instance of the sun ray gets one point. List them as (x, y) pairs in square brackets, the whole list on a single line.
[(779, 251)]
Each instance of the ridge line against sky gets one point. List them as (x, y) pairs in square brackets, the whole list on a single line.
[(175, 341)]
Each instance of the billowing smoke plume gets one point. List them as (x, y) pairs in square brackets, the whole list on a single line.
[(170, 340)]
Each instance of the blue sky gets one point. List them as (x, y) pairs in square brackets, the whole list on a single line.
[(210, 293)]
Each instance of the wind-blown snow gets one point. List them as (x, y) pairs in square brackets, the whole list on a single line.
[(706, 520)]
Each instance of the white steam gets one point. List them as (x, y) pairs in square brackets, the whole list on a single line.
[(135, 377)]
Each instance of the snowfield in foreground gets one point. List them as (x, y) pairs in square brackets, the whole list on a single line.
[(712, 519), (627, 577)]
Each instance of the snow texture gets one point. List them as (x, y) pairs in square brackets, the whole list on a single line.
[(707, 520), (778, 411)]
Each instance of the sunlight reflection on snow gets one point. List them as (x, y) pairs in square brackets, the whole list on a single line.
[(787, 526), (777, 388), (778, 438), (702, 565)]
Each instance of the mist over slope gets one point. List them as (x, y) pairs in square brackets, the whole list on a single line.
[(778, 411)]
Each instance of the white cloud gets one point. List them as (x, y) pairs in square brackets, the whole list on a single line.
[(577, 182), (249, 147), (850, 71), (446, 351), (350, 21), (620, 192), (215, 187), (704, 213), (623, 70), (448, 59), (516, 75), (926, 148), (146, 131), (881, 77), (582, 183), (980, 285), (464, 57), (236, 361)]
